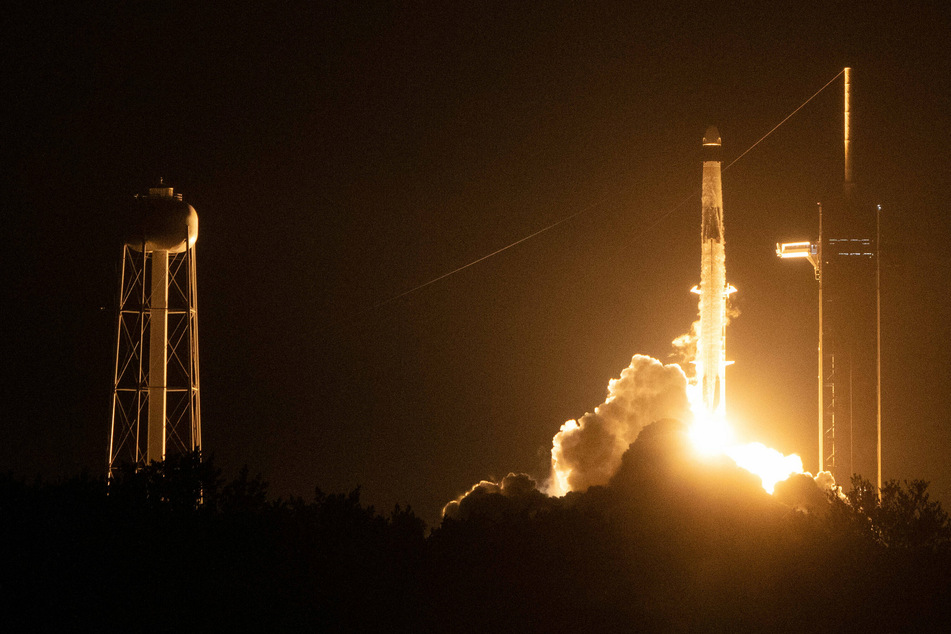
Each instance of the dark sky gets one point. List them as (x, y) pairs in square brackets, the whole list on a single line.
[(339, 154)]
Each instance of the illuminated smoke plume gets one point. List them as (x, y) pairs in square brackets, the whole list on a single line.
[(587, 451), (807, 494), (685, 349), (515, 491)]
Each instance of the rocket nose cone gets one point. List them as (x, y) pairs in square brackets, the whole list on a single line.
[(712, 136)]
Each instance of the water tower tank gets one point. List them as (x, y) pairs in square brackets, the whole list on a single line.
[(156, 406), (164, 222)]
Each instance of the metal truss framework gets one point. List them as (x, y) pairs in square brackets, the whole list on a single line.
[(128, 437)]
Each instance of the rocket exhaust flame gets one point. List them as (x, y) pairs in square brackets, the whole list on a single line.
[(711, 432), (588, 451)]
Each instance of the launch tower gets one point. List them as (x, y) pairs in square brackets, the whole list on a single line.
[(155, 404), (847, 264), (850, 343)]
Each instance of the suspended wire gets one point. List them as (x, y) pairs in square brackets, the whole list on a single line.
[(696, 192), (484, 257), (591, 206), (801, 106)]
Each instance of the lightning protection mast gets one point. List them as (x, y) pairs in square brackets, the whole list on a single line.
[(155, 404)]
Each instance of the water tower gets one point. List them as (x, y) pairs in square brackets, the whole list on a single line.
[(155, 405)]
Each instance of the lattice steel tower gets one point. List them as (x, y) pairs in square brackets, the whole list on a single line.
[(155, 405)]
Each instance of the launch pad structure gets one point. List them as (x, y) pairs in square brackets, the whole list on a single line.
[(846, 260)]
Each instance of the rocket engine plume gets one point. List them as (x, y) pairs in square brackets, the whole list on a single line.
[(711, 432), (588, 451)]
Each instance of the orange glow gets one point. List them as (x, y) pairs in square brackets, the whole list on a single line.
[(559, 484), (711, 435), (767, 463)]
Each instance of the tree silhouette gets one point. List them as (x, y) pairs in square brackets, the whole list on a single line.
[(244, 494), (900, 516), (699, 548), (180, 483)]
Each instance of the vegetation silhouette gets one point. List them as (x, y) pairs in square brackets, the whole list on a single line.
[(672, 543)]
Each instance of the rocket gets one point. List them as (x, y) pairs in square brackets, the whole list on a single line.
[(713, 289)]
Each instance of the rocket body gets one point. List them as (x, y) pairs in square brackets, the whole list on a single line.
[(711, 347)]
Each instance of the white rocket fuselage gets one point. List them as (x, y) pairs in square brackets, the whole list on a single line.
[(711, 347)]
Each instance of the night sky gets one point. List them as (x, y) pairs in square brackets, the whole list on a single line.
[(340, 154)]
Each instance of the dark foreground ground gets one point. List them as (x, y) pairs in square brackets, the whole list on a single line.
[(672, 544)]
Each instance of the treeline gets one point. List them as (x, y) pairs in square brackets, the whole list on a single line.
[(669, 545), (171, 547)]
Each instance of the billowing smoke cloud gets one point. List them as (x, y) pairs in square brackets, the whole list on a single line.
[(517, 492), (685, 348), (659, 469), (663, 467), (807, 493), (587, 451)]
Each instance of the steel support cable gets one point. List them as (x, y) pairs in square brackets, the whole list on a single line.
[(591, 206)]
